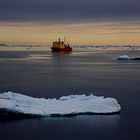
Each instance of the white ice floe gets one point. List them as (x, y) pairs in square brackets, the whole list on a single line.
[(73, 104), (125, 57)]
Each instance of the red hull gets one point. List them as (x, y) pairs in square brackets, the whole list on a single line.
[(67, 49)]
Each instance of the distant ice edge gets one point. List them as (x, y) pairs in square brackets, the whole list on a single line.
[(15, 104)]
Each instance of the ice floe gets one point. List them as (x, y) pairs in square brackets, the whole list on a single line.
[(13, 103), (125, 57)]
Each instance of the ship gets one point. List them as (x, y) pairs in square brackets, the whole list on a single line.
[(61, 46)]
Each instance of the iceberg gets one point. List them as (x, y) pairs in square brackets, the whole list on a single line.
[(18, 104)]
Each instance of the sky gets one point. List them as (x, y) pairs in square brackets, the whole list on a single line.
[(97, 22)]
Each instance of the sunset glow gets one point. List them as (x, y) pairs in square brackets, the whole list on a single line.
[(114, 33)]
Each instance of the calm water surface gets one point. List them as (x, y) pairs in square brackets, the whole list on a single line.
[(51, 75)]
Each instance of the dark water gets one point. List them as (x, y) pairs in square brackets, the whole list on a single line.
[(48, 75)]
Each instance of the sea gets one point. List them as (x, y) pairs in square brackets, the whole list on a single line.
[(44, 74)]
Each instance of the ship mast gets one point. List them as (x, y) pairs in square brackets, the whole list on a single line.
[(64, 40), (59, 40)]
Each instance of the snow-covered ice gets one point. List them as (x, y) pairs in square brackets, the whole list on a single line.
[(67, 105)]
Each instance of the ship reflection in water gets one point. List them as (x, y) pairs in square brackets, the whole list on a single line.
[(61, 57)]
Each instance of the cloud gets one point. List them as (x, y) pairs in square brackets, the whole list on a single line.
[(97, 28), (52, 11)]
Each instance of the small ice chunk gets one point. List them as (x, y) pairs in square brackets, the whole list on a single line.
[(123, 57)]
